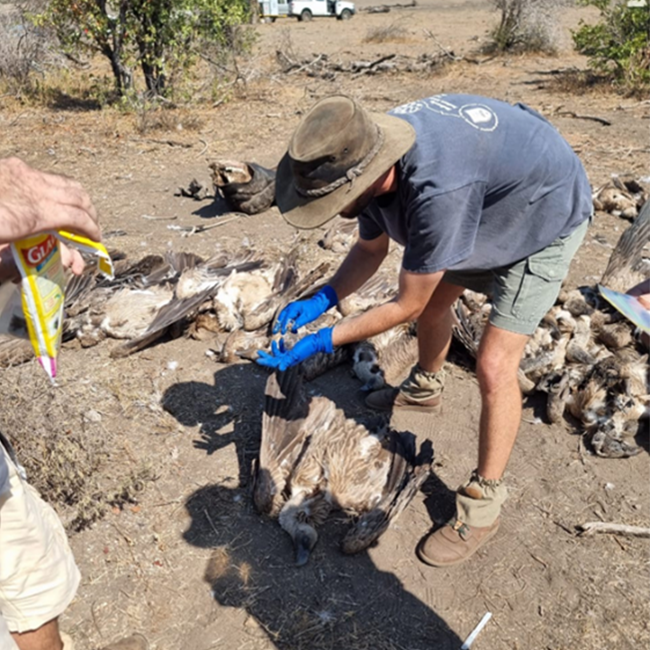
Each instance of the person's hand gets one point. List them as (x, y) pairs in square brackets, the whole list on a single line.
[(641, 292), (32, 201), (299, 313), (281, 358), (71, 259)]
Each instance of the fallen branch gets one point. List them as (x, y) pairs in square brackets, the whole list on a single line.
[(205, 148), (616, 529), (318, 59), (358, 66), (645, 102), (449, 53), (600, 120), (322, 67), (376, 9)]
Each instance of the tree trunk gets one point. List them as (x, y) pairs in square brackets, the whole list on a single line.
[(123, 75), (154, 78), (113, 51)]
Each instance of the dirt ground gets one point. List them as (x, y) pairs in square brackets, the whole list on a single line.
[(191, 565)]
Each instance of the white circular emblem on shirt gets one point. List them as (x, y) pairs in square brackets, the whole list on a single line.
[(479, 116)]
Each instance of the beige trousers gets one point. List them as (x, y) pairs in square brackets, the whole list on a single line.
[(38, 575)]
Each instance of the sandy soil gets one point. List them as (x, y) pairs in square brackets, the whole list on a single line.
[(190, 564)]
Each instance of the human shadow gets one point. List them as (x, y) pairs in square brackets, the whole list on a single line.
[(335, 601), (224, 412)]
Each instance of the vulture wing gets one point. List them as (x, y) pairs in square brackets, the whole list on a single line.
[(406, 476), (283, 437), (624, 269)]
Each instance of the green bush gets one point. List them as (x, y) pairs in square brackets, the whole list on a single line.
[(619, 45), (161, 37)]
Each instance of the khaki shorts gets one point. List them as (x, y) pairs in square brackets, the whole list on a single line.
[(523, 293), (38, 575)]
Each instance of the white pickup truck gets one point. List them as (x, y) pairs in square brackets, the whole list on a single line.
[(305, 10)]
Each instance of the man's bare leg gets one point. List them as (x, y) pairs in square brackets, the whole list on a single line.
[(478, 502), (422, 388), (434, 327), (497, 365), (46, 637)]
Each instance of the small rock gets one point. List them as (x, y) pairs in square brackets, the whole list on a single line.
[(93, 416)]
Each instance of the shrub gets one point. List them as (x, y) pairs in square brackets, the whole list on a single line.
[(25, 50), (390, 33), (526, 25), (619, 45)]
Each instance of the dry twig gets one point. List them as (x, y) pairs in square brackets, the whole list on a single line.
[(617, 529)]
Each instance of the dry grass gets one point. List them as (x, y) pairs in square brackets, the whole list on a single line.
[(576, 82), (163, 119), (387, 34), (65, 448), (581, 82)]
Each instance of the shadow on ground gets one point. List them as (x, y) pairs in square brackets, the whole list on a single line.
[(216, 208), (336, 601)]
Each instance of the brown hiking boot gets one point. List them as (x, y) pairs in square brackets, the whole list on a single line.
[(454, 543), (134, 642), (388, 399), (420, 391)]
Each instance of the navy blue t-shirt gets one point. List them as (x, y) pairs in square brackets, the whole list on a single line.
[(485, 185)]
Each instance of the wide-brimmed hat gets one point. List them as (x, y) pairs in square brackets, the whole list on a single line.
[(337, 152)]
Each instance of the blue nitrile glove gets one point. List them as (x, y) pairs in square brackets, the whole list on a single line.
[(299, 313), (282, 358)]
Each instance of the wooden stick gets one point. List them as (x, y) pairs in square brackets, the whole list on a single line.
[(617, 529), (307, 65)]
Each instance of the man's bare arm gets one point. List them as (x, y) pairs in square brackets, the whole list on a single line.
[(415, 291), (359, 265)]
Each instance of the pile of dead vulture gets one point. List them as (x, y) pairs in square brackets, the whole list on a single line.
[(585, 357)]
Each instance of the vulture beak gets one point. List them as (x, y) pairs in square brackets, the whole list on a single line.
[(303, 545)]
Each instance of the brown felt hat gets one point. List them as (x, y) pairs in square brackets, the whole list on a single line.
[(337, 152)]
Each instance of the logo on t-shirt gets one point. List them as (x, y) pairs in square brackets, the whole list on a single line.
[(479, 116)]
